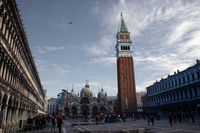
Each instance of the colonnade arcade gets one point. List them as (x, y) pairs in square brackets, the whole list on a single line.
[(21, 92), (86, 107), (182, 99), (82, 110), (178, 95), (15, 108)]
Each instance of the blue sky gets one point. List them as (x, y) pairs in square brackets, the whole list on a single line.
[(165, 35)]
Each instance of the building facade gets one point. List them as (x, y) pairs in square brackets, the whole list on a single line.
[(21, 92), (139, 96), (85, 104), (51, 106), (125, 71), (179, 92)]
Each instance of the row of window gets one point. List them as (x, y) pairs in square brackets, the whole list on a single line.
[(125, 47), (174, 96), (173, 83), (10, 74), (12, 104), (12, 36), (14, 40)]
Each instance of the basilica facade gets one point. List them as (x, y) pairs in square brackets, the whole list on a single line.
[(85, 104)]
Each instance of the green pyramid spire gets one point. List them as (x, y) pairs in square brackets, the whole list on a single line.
[(122, 27)]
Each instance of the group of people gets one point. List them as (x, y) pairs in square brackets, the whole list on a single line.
[(173, 117), (181, 117), (59, 119), (36, 122), (41, 121), (110, 117)]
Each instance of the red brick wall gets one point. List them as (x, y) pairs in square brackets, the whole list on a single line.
[(126, 84)]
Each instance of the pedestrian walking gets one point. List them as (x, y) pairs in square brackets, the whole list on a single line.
[(53, 121), (148, 119), (192, 113), (187, 117), (60, 121), (152, 119), (170, 116)]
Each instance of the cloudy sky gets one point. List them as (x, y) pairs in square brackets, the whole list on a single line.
[(74, 40)]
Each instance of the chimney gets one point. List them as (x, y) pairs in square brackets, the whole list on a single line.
[(177, 71), (198, 61)]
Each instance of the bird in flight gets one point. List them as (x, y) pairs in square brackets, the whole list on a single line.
[(70, 22)]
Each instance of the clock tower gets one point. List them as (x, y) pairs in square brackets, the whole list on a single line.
[(125, 70)]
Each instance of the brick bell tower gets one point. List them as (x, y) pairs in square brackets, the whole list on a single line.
[(125, 70)]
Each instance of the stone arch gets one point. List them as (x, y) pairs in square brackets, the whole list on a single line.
[(67, 111), (85, 110), (95, 111), (9, 109), (103, 110), (16, 102), (74, 111), (4, 102), (85, 100), (195, 92), (0, 95), (190, 93), (186, 94)]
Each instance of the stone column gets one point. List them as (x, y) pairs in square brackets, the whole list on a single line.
[(5, 111)]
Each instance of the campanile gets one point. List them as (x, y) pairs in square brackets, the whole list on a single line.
[(125, 70)]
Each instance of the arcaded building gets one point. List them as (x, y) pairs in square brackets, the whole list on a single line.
[(21, 92), (179, 92), (125, 70)]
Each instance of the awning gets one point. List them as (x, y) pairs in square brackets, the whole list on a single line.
[(41, 112)]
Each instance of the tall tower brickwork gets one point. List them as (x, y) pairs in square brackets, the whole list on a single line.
[(125, 70)]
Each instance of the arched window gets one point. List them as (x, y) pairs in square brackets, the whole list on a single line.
[(85, 100)]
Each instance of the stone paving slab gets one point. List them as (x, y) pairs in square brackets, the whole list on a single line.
[(161, 126)]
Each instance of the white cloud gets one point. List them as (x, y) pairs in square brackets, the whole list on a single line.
[(165, 35), (47, 49), (47, 67), (104, 60), (179, 32)]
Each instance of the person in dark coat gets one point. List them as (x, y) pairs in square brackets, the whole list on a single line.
[(60, 121), (53, 121), (170, 116)]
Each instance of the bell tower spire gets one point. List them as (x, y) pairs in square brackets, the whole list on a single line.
[(122, 27), (125, 70)]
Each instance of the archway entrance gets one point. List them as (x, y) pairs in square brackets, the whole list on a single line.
[(94, 111), (67, 111), (74, 111), (85, 100), (103, 110), (5, 97), (85, 110)]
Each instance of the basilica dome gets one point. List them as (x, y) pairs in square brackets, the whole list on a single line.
[(102, 94), (73, 93), (85, 92)]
